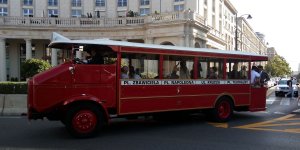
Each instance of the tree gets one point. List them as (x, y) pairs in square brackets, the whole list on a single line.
[(278, 67), (33, 66)]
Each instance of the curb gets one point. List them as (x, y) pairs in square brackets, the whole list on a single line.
[(270, 91), (13, 104)]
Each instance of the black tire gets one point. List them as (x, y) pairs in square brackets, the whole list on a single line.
[(223, 110), (84, 120), (276, 95)]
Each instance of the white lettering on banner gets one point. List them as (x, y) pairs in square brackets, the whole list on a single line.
[(182, 82)]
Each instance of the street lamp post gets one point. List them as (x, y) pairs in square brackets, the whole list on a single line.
[(236, 28), (160, 6)]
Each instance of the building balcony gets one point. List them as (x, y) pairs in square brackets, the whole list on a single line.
[(11, 21)]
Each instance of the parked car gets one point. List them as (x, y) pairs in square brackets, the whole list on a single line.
[(282, 88), (271, 83)]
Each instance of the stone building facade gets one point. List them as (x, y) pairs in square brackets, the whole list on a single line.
[(26, 26)]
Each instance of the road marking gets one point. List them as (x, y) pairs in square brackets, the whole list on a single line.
[(271, 100), (219, 125), (279, 113), (278, 122), (285, 101)]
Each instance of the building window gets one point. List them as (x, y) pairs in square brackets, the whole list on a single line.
[(76, 3), (214, 5), (144, 11), (145, 2), (179, 0), (205, 13), (3, 11), (3, 1), (27, 12), (52, 13), (179, 7), (220, 11), (122, 3), (52, 2), (27, 2), (76, 13), (100, 3), (213, 21)]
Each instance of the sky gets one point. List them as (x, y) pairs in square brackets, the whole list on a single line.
[(279, 22)]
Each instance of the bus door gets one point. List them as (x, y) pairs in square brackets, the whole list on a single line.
[(95, 80), (258, 98)]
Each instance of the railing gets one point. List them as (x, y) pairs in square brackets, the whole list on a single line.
[(216, 33), (100, 22)]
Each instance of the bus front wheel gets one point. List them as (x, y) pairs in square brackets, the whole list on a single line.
[(223, 110), (84, 120)]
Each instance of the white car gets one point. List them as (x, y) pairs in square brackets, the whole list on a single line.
[(271, 83), (282, 88)]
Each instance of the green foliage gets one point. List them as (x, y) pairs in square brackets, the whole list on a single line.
[(33, 66), (278, 67), (13, 88)]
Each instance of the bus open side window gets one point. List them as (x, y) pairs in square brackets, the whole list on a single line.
[(237, 69), (95, 54), (210, 68), (178, 67), (139, 66)]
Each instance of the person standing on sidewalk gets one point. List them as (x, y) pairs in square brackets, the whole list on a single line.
[(290, 85)]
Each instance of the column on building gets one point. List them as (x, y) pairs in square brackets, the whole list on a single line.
[(181, 41), (54, 57), (149, 40), (28, 49), (187, 40), (3, 76)]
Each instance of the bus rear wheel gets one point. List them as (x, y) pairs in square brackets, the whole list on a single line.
[(84, 120), (223, 110)]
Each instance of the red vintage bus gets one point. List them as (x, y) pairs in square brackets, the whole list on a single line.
[(134, 79)]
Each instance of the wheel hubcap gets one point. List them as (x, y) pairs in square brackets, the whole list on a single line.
[(224, 110), (84, 121)]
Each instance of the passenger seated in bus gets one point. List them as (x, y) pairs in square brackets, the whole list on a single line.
[(132, 73), (184, 71), (244, 73), (96, 57), (174, 73), (234, 74), (124, 71), (212, 74), (138, 73)]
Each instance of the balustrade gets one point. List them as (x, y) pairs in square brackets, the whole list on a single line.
[(99, 22)]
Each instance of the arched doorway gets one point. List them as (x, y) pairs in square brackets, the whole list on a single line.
[(197, 45), (167, 43)]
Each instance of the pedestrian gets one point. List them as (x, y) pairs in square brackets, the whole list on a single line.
[(290, 85)]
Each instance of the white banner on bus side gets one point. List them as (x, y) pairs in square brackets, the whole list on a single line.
[(183, 82)]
